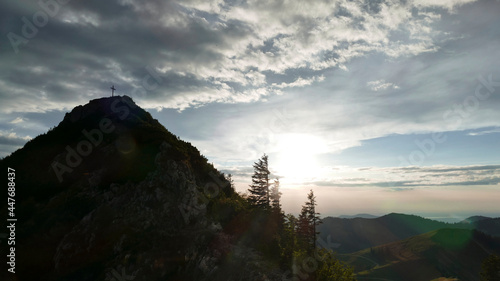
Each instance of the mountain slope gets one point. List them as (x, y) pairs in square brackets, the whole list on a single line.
[(110, 135), (489, 226), (110, 191), (351, 235), (441, 253), (356, 234)]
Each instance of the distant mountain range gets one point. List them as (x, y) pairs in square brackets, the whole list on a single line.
[(475, 219), (401, 247), (363, 216), (355, 234)]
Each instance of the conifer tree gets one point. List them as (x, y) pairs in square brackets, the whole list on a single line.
[(307, 222), (275, 196), (288, 242), (259, 189), (303, 230), (312, 217), (229, 179)]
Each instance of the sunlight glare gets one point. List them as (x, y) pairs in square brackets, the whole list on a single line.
[(297, 157)]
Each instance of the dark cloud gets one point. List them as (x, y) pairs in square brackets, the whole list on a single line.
[(365, 68), (110, 41), (484, 169), (12, 140)]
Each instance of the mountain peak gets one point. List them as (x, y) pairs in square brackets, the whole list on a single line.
[(109, 183), (363, 216), (107, 140), (102, 106), (473, 219)]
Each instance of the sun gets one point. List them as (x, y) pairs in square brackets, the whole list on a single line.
[(297, 157)]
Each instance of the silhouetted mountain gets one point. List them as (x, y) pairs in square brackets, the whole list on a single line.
[(440, 253), (363, 216), (356, 234), (351, 235), (488, 226), (120, 138), (474, 219), (110, 191)]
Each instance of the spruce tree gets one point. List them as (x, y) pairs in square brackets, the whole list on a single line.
[(303, 230), (229, 179), (307, 222), (312, 217), (259, 189), (288, 242), (275, 196)]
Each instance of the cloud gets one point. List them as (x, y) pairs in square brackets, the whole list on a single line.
[(259, 69), (17, 120), (10, 141), (404, 178), (381, 85), (300, 82), (216, 51), (485, 132), (11, 138), (447, 4)]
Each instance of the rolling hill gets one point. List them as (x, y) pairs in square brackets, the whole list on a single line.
[(451, 253), (363, 216), (358, 233)]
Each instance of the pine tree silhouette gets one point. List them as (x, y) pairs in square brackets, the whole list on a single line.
[(259, 189)]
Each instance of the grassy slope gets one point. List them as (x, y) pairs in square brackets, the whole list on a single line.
[(359, 233), (445, 252)]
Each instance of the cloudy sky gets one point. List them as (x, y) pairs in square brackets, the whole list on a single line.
[(379, 106)]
